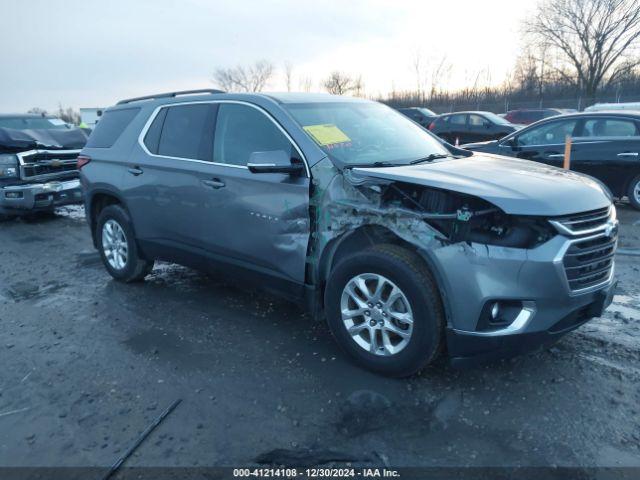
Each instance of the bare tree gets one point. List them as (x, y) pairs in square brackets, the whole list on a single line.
[(339, 83), (288, 75), (440, 74), (38, 111), (253, 78), (594, 39), (68, 115), (305, 84)]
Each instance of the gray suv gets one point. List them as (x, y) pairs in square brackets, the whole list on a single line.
[(406, 244)]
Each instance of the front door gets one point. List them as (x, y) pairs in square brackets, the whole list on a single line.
[(258, 219), (545, 143)]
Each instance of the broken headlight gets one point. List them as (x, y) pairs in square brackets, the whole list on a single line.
[(509, 231), (8, 165)]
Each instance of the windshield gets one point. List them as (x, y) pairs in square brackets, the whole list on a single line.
[(427, 112), (31, 123), (496, 118), (365, 134)]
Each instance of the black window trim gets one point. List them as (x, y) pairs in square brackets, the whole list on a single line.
[(157, 110), (517, 133)]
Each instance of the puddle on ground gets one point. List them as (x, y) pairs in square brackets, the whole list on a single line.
[(27, 291)]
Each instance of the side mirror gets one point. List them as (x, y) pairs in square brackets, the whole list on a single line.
[(275, 161), (510, 142)]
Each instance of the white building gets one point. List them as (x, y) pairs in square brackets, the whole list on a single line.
[(90, 116)]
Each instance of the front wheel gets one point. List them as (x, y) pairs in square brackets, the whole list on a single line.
[(385, 311), (117, 246), (634, 193)]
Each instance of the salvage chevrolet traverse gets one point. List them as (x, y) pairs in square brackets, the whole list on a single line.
[(406, 244)]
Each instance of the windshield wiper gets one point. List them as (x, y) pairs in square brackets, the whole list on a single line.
[(430, 158), (370, 165)]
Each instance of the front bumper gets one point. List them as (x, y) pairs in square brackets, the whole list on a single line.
[(472, 276), (467, 349), (27, 198)]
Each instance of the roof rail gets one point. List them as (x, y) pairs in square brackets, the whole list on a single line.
[(170, 94)]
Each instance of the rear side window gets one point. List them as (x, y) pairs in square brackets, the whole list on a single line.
[(457, 119), (187, 132), (609, 127), (242, 130), (110, 127), (152, 138), (476, 120)]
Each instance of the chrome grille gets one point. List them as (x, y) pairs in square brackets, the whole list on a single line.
[(583, 223), (589, 262), (43, 164)]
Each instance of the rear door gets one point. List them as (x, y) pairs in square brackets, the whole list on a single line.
[(479, 129), (163, 186), (458, 129), (608, 148), (256, 219)]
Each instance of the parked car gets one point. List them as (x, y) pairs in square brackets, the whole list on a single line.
[(525, 116), (420, 115), (605, 145), (599, 107), (350, 208), (464, 127), (37, 164)]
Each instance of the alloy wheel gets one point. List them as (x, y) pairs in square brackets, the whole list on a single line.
[(377, 314), (114, 244)]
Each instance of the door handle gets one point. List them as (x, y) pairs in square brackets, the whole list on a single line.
[(628, 154), (214, 183), (135, 171), (556, 155)]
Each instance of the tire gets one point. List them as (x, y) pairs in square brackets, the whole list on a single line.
[(124, 265), (406, 271), (634, 193)]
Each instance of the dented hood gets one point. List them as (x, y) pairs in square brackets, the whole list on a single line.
[(515, 186), (12, 140)]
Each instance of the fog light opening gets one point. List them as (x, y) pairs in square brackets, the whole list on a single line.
[(495, 311)]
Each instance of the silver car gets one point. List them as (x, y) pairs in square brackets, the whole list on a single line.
[(404, 243)]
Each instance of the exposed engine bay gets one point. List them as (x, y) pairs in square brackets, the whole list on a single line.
[(460, 217)]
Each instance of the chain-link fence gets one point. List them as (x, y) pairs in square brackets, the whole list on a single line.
[(506, 104)]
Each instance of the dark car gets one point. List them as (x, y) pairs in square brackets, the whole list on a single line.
[(605, 145), (526, 116), (403, 243), (38, 168), (464, 127), (420, 115)]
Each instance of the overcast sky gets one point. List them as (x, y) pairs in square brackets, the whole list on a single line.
[(85, 53)]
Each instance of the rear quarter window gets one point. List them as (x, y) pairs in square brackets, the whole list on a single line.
[(110, 127)]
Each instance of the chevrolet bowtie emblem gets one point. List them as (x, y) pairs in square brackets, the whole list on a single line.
[(610, 228)]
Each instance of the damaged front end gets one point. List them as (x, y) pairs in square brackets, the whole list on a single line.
[(496, 271), (38, 170)]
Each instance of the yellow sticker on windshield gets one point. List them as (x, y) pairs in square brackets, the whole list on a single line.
[(327, 134)]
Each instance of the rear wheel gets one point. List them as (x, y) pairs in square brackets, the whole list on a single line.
[(634, 192), (117, 246), (385, 311)]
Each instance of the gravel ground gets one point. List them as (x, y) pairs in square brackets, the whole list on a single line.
[(87, 363)]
